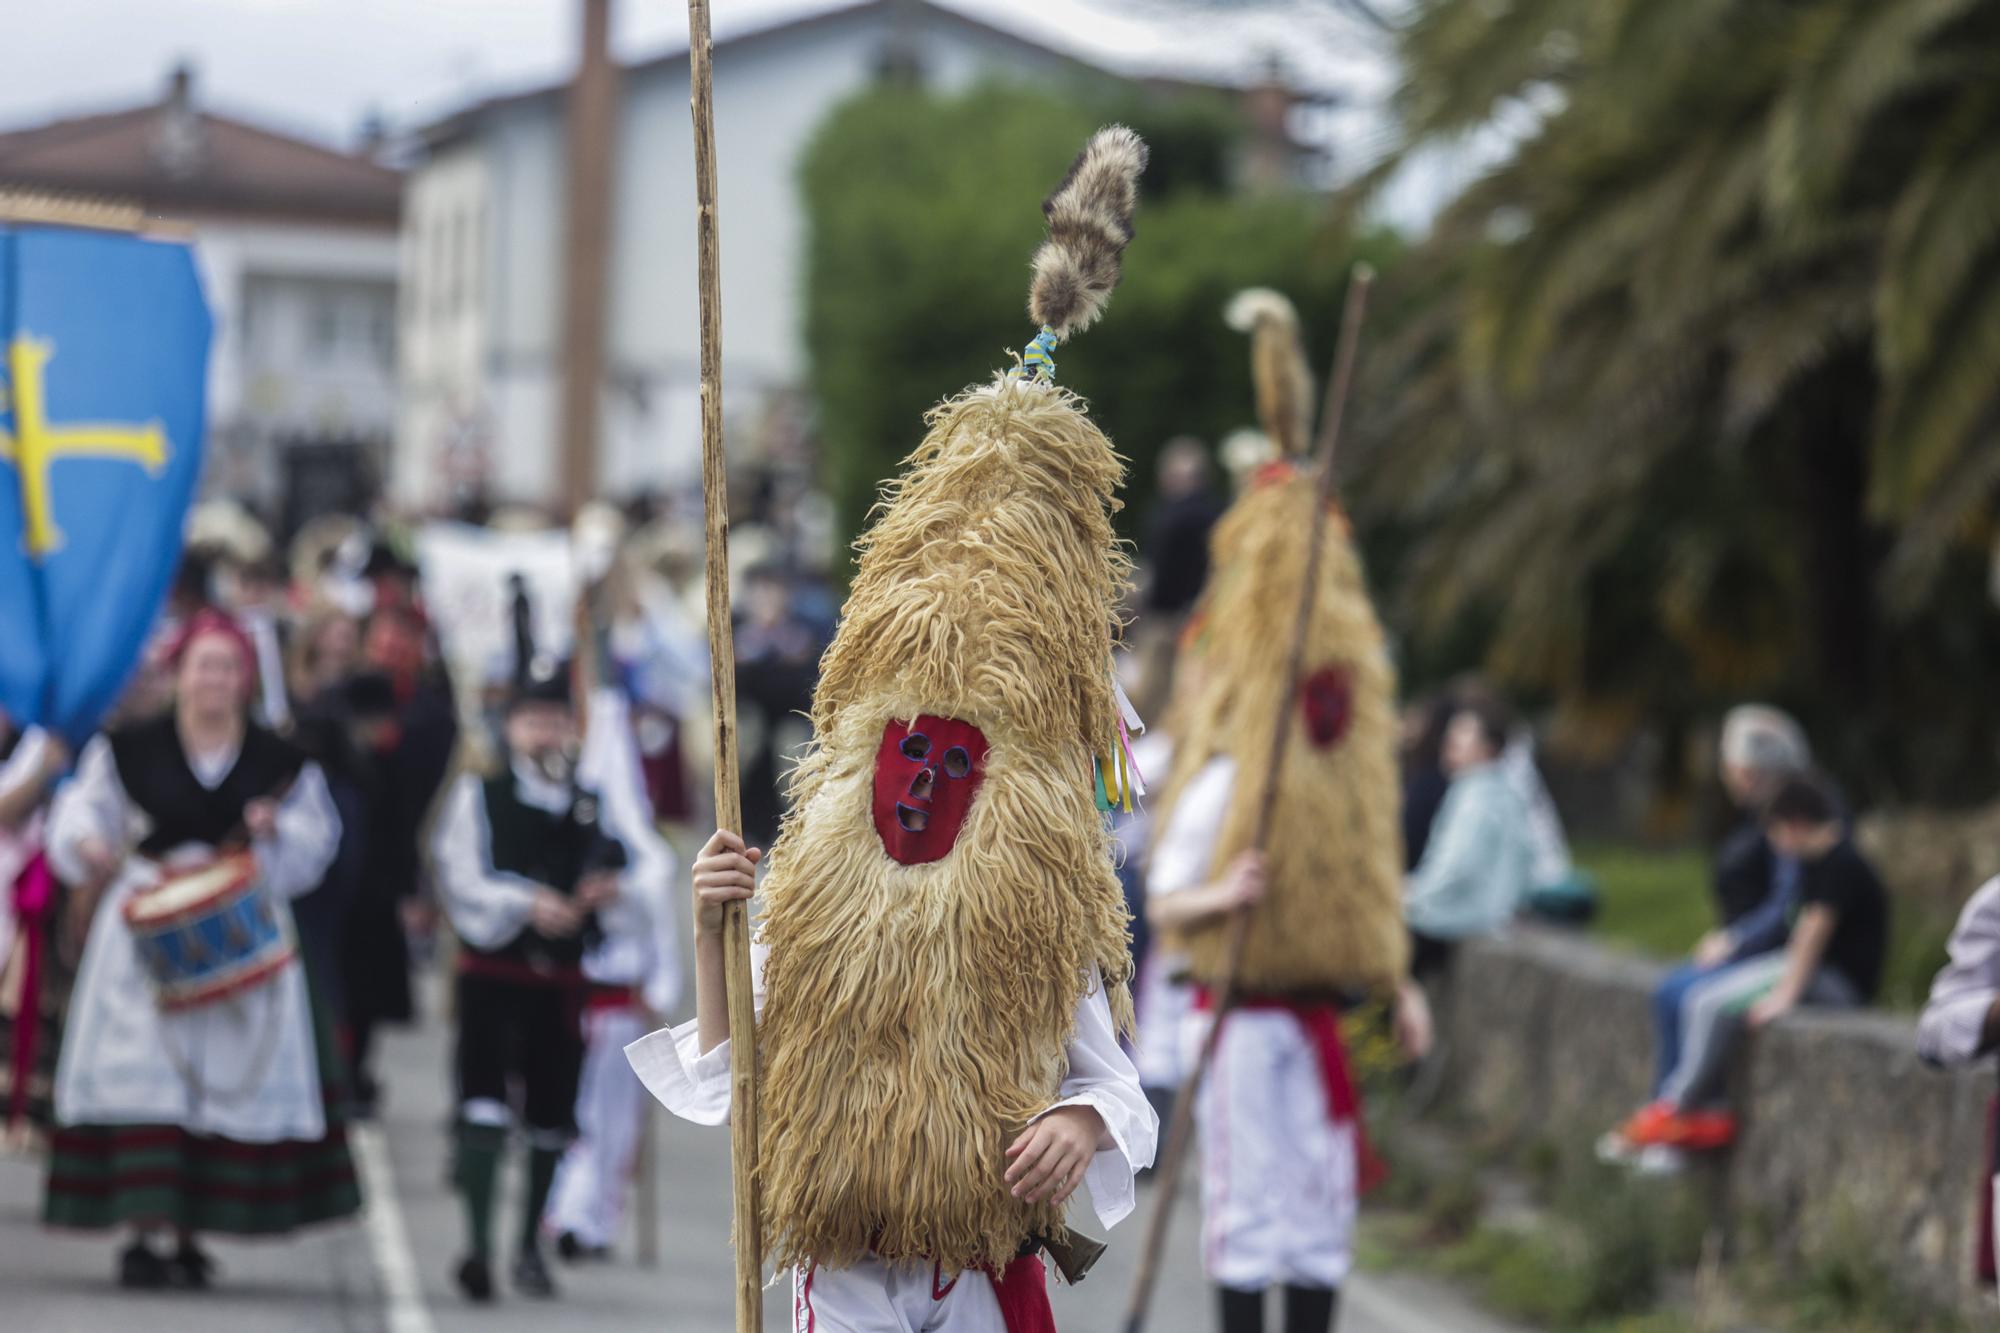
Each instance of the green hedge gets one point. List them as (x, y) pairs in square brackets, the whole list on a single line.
[(923, 212)]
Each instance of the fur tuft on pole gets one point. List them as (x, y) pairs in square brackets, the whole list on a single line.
[(1278, 370), (1090, 224)]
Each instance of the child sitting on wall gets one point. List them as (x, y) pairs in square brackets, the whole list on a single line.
[(1839, 927)]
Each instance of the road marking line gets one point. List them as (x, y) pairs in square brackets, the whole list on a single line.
[(388, 1239)]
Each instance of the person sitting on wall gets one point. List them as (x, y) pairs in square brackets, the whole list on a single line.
[(1756, 886), (1761, 747), (1475, 867), (1838, 927)]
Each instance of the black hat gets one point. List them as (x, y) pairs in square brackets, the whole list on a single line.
[(383, 561), (543, 685)]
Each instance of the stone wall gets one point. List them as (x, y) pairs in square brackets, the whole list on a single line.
[(1846, 1137)]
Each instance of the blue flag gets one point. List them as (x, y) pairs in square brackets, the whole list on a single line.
[(103, 370)]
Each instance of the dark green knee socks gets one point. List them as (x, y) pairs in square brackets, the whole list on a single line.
[(541, 1175), (478, 1175)]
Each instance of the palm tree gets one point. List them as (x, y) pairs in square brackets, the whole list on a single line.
[(1697, 395)]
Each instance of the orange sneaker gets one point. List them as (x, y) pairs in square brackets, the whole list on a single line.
[(1703, 1131), (1648, 1125)]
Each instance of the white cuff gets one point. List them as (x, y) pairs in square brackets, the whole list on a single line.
[(1111, 1170), (1949, 1031), (693, 1084)]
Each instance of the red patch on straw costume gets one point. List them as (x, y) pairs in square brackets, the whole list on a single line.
[(1327, 696), (926, 774)]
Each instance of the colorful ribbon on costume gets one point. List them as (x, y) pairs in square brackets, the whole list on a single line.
[(1039, 357), (1116, 774)]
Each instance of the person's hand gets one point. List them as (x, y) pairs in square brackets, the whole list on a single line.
[(597, 889), (1046, 1162), (1770, 1009), (554, 915), (725, 871), (1713, 949), (1412, 1021), (1244, 883), (261, 818)]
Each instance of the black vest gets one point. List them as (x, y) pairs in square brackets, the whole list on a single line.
[(155, 774), (552, 849)]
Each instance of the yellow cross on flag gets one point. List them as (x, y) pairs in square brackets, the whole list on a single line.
[(34, 445)]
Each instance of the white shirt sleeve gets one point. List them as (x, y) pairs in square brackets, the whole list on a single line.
[(1102, 1077), (691, 1083), (1954, 1019), (92, 804), (1184, 852), (295, 860), (487, 908)]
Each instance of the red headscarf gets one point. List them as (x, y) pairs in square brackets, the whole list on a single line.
[(210, 620)]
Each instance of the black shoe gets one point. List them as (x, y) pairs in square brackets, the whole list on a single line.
[(140, 1268), (569, 1248), (190, 1267), (475, 1279), (531, 1275)]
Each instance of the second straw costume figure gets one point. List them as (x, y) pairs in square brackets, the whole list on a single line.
[(941, 950), (1282, 1151)]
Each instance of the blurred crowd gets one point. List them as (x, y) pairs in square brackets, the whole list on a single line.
[(313, 705)]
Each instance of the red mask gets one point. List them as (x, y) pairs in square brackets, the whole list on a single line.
[(926, 774), (1327, 697)]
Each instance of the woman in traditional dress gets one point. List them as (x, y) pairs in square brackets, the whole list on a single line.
[(220, 1117)]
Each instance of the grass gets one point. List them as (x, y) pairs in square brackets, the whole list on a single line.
[(1653, 901)]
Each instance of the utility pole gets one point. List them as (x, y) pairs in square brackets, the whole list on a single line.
[(592, 126)]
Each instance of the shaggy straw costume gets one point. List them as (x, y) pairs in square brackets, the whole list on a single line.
[(917, 1013), (1332, 917)]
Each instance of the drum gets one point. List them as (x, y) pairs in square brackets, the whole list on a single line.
[(209, 932)]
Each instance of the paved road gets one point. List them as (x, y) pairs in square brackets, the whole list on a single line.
[(391, 1273)]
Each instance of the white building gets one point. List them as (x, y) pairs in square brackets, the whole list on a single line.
[(296, 244), (483, 231)]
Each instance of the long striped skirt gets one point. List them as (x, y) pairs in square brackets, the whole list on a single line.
[(104, 1176)]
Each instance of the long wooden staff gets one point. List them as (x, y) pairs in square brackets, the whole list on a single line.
[(744, 1232), (1180, 1130)]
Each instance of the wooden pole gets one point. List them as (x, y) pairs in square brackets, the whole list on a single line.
[(744, 1230), (1180, 1129), (592, 114)]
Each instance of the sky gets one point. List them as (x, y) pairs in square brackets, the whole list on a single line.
[(320, 66)]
